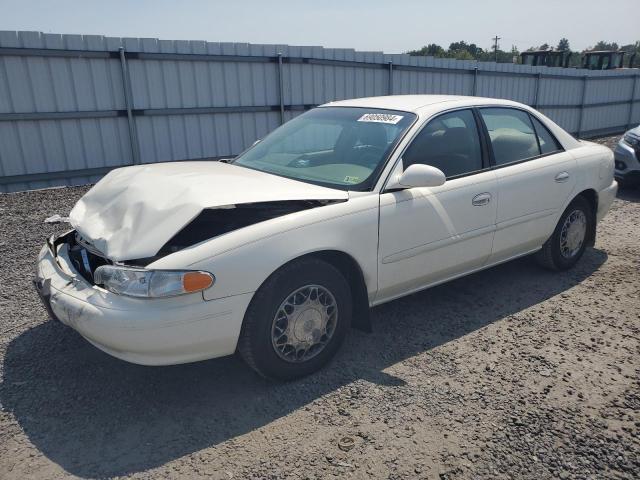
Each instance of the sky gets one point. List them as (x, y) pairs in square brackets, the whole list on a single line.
[(378, 25)]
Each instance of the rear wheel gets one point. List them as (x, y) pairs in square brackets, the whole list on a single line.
[(568, 242), (296, 321)]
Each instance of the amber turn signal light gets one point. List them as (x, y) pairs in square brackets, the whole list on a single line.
[(196, 281)]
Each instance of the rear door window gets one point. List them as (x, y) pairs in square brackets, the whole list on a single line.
[(548, 143), (511, 133)]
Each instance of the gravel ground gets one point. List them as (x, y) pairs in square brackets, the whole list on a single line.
[(514, 372)]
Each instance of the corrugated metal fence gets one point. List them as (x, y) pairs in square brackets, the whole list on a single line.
[(72, 107)]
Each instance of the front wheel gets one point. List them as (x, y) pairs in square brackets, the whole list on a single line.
[(569, 240), (297, 320)]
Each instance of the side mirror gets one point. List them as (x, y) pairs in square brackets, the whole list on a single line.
[(420, 175)]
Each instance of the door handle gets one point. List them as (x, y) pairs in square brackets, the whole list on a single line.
[(562, 177), (481, 199)]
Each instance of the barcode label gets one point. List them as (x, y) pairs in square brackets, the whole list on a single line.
[(380, 118)]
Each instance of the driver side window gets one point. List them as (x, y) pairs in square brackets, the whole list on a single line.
[(449, 142)]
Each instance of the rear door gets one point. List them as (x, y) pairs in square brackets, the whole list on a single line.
[(535, 178)]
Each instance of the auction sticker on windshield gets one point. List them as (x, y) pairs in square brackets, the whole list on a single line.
[(380, 118)]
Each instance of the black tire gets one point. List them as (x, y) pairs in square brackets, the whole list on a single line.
[(625, 183), (550, 256), (255, 344)]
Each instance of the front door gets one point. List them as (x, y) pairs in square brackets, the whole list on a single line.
[(430, 234)]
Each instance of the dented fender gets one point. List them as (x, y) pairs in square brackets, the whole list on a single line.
[(243, 259)]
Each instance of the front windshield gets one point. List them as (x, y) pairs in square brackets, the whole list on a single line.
[(338, 147)]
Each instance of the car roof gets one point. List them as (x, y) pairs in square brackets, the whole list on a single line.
[(425, 106), (417, 103)]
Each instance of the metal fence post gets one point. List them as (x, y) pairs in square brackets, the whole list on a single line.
[(390, 78), (281, 87), (475, 81), (581, 114), (633, 94), (128, 100), (537, 90)]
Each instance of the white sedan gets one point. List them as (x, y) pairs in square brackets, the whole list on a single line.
[(276, 253)]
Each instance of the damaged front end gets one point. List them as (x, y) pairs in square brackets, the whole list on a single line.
[(144, 211), (45, 270), (179, 329), (213, 222), (86, 258), (137, 215)]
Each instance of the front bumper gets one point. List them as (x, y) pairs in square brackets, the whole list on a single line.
[(606, 196), (627, 163), (144, 331)]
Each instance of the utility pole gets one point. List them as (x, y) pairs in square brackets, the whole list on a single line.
[(495, 46)]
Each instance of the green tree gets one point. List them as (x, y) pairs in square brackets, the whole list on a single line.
[(432, 49), (602, 45), (470, 51), (630, 50), (435, 50), (563, 44), (456, 48), (466, 51), (515, 54), (462, 55)]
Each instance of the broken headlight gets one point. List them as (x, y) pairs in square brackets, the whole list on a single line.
[(139, 282)]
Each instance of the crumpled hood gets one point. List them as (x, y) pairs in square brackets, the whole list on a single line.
[(133, 211)]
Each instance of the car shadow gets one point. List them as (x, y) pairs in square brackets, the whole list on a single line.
[(96, 416)]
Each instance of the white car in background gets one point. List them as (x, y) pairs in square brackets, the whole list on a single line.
[(627, 158), (355, 203)]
